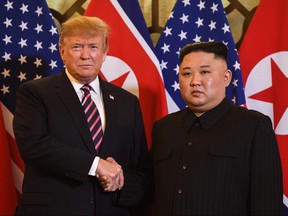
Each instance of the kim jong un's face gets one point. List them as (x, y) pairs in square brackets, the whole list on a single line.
[(203, 79)]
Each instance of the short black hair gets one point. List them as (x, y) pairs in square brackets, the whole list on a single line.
[(218, 48)]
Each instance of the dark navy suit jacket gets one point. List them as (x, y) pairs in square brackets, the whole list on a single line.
[(55, 143)]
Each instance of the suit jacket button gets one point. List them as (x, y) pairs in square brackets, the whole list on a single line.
[(189, 144), (91, 200), (179, 191)]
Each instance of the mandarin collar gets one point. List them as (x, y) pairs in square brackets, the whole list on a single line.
[(209, 118)]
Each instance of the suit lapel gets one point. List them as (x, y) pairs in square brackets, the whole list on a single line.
[(66, 92), (110, 106)]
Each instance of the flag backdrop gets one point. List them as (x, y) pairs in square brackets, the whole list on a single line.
[(131, 62), (8, 195), (28, 50), (194, 21), (264, 63)]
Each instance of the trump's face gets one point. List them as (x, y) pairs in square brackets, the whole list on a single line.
[(83, 56)]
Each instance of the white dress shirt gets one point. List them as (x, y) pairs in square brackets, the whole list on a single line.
[(97, 97)]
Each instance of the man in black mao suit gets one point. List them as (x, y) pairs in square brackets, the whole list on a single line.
[(54, 140), (214, 158)]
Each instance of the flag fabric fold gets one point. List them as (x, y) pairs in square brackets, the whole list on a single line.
[(131, 62), (28, 50), (263, 54), (195, 21)]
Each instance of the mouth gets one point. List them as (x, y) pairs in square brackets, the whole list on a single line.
[(196, 93), (84, 66)]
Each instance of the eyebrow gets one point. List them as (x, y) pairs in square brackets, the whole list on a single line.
[(202, 66)]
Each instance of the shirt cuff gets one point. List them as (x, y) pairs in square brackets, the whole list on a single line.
[(92, 171)]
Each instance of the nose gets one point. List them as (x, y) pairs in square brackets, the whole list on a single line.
[(195, 80), (85, 54)]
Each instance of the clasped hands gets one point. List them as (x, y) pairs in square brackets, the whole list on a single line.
[(110, 174)]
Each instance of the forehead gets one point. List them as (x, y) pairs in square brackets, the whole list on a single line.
[(83, 39), (201, 59)]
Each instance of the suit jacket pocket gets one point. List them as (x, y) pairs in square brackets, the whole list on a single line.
[(225, 149), (162, 154)]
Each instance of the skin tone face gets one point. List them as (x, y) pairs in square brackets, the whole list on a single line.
[(203, 80), (83, 56)]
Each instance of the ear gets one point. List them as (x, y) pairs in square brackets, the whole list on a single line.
[(62, 54), (105, 55), (227, 77)]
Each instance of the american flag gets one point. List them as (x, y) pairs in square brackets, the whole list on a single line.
[(29, 50), (29, 45), (195, 21)]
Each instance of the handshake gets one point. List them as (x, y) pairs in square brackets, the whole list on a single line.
[(110, 174)]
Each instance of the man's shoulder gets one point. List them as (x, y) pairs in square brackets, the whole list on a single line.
[(119, 91), (243, 111), (248, 116), (51, 79), (173, 117)]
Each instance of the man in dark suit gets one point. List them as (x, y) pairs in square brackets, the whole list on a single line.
[(62, 158), (214, 158)]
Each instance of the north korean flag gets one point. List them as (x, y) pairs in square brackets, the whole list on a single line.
[(264, 63), (131, 62)]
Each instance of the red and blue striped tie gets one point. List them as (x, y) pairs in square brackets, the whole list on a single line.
[(93, 117)]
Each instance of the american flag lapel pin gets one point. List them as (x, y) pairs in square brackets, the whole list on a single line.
[(111, 97)]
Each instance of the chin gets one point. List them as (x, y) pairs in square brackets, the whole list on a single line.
[(197, 107)]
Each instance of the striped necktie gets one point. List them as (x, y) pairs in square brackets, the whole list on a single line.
[(93, 117)]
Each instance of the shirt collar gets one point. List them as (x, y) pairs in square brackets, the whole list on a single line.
[(95, 84)]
